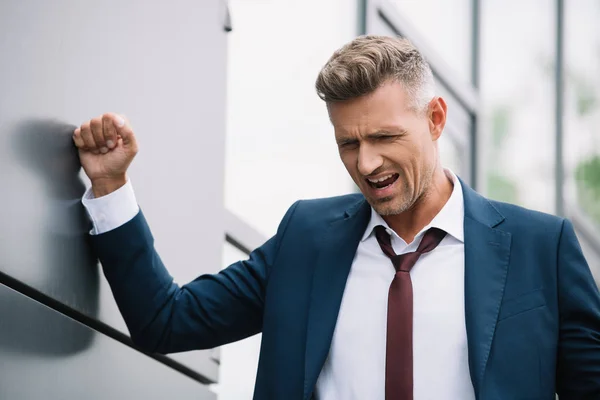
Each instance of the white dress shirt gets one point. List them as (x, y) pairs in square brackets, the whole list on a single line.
[(111, 211), (355, 367)]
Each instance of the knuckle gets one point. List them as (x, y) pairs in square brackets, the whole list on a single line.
[(88, 140), (110, 132), (96, 123)]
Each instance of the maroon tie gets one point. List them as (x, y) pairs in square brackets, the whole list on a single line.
[(399, 346)]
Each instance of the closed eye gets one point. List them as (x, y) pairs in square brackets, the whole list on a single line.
[(383, 137), (387, 135)]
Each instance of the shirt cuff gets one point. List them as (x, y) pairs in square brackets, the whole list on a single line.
[(111, 211)]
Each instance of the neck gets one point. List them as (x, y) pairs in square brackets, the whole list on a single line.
[(409, 223)]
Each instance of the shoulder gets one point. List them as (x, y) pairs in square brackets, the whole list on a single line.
[(331, 205), (313, 213), (525, 214), (522, 220)]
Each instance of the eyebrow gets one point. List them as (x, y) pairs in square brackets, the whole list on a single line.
[(398, 131)]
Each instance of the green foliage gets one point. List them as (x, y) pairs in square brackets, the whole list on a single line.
[(500, 124), (587, 99), (587, 176), (501, 188)]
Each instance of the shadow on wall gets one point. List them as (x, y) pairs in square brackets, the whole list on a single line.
[(70, 272)]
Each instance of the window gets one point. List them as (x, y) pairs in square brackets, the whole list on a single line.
[(581, 117), (446, 26), (581, 125), (456, 144), (280, 144), (517, 90)]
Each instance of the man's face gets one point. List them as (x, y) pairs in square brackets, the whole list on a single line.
[(389, 149)]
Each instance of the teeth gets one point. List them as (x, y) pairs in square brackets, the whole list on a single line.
[(381, 179)]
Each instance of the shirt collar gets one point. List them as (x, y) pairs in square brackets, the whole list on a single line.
[(450, 218)]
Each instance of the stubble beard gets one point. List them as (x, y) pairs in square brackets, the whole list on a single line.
[(401, 201), (394, 205)]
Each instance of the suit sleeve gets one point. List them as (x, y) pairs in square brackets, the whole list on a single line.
[(578, 369), (163, 317)]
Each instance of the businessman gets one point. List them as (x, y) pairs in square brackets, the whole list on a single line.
[(417, 288)]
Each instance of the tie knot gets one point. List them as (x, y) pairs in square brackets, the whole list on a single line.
[(404, 262)]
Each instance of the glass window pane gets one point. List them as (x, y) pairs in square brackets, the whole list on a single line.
[(452, 156), (456, 139), (447, 26), (455, 142), (589, 246), (517, 89), (582, 108), (280, 144)]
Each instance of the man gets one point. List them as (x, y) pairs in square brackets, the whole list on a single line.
[(417, 288)]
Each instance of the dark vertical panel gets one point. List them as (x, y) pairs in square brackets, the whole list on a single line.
[(475, 71), (475, 42), (362, 16), (559, 107)]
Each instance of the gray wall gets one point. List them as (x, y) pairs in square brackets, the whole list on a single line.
[(163, 65), (46, 355)]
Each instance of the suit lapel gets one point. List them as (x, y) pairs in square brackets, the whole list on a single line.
[(487, 253), (338, 248)]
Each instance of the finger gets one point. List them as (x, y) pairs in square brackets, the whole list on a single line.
[(77, 139), (110, 132), (124, 130), (97, 132), (88, 138)]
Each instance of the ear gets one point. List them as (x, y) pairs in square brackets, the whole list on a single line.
[(437, 117)]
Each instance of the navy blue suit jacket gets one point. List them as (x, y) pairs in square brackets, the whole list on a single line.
[(532, 308)]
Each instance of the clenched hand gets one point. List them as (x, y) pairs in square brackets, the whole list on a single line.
[(107, 146)]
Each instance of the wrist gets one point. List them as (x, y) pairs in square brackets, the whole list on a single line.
[(105, 186)]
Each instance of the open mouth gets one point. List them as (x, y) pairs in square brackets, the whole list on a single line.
[(383, 182)]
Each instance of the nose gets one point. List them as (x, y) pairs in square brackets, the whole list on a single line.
[(368, 159)]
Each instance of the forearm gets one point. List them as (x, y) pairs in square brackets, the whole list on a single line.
[(209, 311), (140, 283), (161, 316)]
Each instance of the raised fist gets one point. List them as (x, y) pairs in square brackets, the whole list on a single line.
[(107, 145)]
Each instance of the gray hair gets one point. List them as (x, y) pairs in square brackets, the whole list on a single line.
[(369, 61)]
